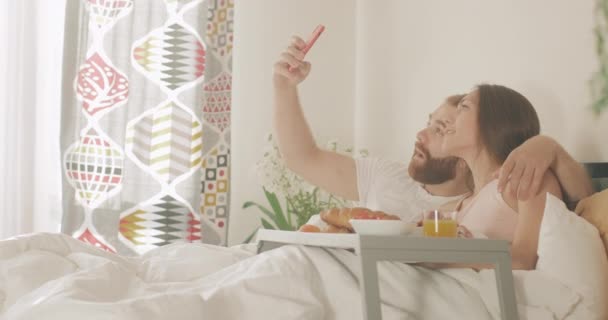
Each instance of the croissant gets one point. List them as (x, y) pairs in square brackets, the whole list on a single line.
[(340, 217), (309, 228), (330, 228)]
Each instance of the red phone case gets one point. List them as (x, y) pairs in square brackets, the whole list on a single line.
[(311, 41), (313, 38)]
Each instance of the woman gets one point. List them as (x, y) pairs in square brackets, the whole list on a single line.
[(490, 122)]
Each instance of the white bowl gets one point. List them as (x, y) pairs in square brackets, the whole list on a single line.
[(382, 227)]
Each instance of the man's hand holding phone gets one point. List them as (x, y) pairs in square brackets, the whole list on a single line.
[(291, 69)]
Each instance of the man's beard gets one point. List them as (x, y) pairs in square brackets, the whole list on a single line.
[(432, 170)]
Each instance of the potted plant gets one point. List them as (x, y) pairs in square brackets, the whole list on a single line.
[(291, 201)]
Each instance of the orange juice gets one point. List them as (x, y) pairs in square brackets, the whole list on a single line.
[(440, 228)]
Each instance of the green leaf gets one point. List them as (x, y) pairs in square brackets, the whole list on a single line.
[(279, 216), (290, 206), (251, 236), (600, 77), (288, 213), (267, 212), (259, 206), (267, 224)]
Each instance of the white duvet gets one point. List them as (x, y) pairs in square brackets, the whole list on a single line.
[(52, 276)]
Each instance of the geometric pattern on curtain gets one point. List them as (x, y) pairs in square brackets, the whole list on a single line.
[(146, 137)]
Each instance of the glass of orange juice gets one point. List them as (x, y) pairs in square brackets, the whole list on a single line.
[(436, 223)]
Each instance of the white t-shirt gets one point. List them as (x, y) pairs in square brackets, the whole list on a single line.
[(386, 186)]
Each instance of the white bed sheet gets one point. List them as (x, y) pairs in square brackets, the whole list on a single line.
[(52, 276)]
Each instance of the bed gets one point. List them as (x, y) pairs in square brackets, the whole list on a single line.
[(53, 276)]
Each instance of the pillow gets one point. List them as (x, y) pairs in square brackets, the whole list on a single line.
[(570, 250), (595, 210)]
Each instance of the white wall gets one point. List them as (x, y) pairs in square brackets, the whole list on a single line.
[(262, 31), (422, 51), (383, 65)]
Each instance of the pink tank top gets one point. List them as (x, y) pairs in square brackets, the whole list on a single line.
[(489, 214)]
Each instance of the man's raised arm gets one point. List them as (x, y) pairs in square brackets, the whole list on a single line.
[(328, 170)]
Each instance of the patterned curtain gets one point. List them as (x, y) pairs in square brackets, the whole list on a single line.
[(145, 131)]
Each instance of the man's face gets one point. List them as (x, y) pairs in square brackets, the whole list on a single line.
[(428, 165)]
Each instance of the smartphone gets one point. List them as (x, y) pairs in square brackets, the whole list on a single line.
[(311, 41), (313, 38)]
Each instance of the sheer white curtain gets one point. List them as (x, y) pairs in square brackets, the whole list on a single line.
[(31, 37)]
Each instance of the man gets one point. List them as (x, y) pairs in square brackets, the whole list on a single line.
[(390, 187)]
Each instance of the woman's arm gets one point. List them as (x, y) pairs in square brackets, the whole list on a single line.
[(573, 178), (525, 240)]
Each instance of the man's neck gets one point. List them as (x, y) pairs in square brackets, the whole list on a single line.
[(452, 188)]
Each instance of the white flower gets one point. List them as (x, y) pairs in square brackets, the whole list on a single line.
[(332, 145), (273, 174)]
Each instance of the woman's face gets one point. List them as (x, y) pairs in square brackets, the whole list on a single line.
[(462, 136)]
